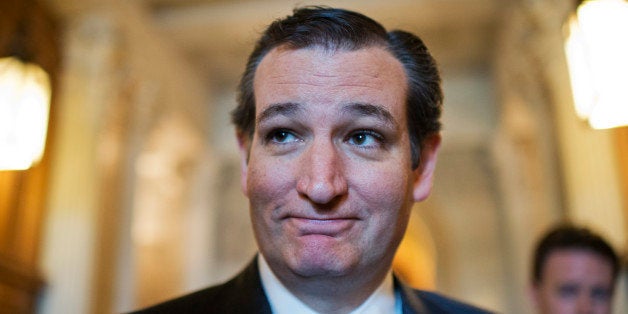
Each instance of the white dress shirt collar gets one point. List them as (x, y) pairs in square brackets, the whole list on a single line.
[(282, 301)]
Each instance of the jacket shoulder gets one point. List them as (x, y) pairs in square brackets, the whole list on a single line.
[(208, 300), (242, 294)]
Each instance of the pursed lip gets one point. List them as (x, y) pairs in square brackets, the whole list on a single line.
[(327, 226)]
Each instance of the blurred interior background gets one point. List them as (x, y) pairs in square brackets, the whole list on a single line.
[(136, 197)]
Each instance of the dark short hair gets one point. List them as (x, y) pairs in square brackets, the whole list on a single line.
[(340, 29), (567, 236)]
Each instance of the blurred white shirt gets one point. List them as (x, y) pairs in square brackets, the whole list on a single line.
[(383, 300)]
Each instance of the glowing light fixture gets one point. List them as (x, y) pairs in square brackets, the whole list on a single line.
[(24, 106), (597, 56)]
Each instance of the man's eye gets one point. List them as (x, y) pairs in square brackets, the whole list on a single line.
[(568, 291), (281, 136), (600, 294), (365, 138)]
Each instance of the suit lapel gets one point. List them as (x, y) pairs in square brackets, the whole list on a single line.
[(250, 295), (410, 301)]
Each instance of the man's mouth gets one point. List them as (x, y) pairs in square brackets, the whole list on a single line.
[(331, 227)]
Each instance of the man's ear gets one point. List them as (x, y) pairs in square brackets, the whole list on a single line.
[(244, 144), (424, 173)]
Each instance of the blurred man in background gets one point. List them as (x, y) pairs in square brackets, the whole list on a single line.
[(574, 271)]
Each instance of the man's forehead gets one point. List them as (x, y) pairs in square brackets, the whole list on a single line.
[(372, 60), (354, 110), (364, 82), (576, 253), (373, 68), (570, 259), (287, 49)]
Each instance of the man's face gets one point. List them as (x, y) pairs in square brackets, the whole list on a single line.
[(575, 281), (329, 175)]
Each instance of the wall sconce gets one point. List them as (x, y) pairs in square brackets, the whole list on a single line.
[(597, 56), (24, 106), (24, 102)]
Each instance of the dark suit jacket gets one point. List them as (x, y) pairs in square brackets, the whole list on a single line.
[(244, 295)]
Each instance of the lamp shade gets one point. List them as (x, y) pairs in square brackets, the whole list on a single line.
[(24, 107), (597, 56)]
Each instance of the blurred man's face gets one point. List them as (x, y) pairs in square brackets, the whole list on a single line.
[(329, 173), (575, 281)]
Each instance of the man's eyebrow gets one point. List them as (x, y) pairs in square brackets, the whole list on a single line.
[(365, 109), (283, 109)]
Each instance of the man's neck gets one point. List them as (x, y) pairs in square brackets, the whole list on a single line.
[(329, 294)]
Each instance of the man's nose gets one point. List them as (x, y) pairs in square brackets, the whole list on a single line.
[(585, 304), (321, 174)]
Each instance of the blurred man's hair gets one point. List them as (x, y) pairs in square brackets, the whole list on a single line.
[(571, 237)]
